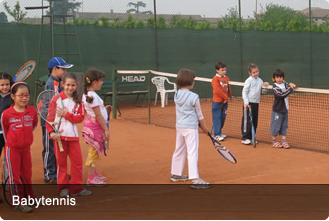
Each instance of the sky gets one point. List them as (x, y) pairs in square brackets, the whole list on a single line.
[(205, 8)]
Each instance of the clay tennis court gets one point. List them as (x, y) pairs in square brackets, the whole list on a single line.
[(141, 154)]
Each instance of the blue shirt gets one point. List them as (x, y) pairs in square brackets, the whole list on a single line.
[(186, 116)]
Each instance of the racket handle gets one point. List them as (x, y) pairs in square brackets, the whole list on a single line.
[(60, 146)]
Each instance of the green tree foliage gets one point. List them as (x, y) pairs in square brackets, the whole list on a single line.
[(230, 20), (63, 7), (136, 8), (161, 22), (3, 17), (204, 25), (281, 18), (16, 13), (271, 18), (130, 22), (150, 23)]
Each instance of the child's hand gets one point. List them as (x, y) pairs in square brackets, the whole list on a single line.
[(292, 85), (106, 135), (55, 136), (60, 112), (108, 108), (265, 84), (246, 106)]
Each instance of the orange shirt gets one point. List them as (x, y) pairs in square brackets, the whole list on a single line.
[(220, 88)]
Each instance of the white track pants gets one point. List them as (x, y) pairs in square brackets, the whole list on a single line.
[(187, 142)]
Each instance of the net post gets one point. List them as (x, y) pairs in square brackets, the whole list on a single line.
[(114, 94)]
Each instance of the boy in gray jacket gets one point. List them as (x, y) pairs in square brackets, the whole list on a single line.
[(251, 97)]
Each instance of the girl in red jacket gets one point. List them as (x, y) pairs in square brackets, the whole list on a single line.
[(72, 114), (18, 123)]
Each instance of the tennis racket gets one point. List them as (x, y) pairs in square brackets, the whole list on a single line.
[(253, 130), (8, 190), (25, 71), (105, 142), (47, 97), (223, 150)]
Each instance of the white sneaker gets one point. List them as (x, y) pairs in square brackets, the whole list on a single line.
[(223, 135), (246, 142), (219, 138), (64, 192)]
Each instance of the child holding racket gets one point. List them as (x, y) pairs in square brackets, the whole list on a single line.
[(57, 69), (5, 100), (188, 117), (72, 114), (6, 82), (18, 123), (251, 93), (221, 93), (279, 118), (95, 128)]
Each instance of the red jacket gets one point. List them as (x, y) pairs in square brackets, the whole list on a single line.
[(68, 128), (221, 88), (18, 126)]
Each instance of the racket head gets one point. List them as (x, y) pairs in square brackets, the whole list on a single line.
[(42, 105), (25, 71), (8, 190), (223, 150)]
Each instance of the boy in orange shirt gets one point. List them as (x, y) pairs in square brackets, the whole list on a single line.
[(221, 93)]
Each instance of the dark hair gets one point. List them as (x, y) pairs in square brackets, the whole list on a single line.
[(89, 77), (51, 70), (6, 76), (185, 77), (252, 66), (75, 93), (278, 73), (220, 65), (19, 85)]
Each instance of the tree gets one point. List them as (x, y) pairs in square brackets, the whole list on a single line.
[(281, 18), (231, 20), (16, 13), (3, 17), (63, 7), (136, 8)]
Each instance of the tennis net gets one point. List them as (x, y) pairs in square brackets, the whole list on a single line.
[(308, 109)]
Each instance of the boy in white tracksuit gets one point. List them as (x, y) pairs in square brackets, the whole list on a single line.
[(188, 117)]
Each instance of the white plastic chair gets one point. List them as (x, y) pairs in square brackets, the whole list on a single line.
[(160, 85)]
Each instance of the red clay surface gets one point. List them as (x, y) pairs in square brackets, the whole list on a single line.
[(141, 154)]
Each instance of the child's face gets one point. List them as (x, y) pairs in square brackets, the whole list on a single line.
[(70, 85), (254, 72), (21, 97), (4, 86), (98, 84), (59, 72), (221, 71), (278, 79)]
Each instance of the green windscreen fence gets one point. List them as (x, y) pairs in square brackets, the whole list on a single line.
[(303, 56)]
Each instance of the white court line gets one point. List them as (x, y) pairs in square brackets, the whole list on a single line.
[(264, 175)]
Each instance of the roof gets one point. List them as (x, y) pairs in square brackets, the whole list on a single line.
[(316, 12)]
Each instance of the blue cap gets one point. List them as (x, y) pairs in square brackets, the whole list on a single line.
[(58, 62)]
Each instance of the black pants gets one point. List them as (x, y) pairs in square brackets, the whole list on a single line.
[(246, 126)]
